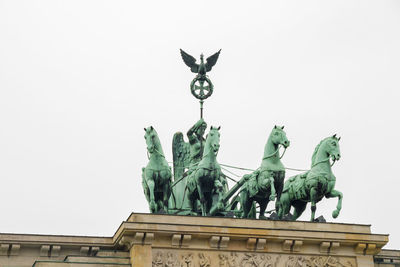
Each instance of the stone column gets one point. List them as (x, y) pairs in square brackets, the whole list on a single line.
[(139, 248), (140, 255), (365, 261)]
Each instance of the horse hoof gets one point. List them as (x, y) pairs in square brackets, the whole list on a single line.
[(162, 211), (287, 217), (335, 213), (274, 216), (320, 219)]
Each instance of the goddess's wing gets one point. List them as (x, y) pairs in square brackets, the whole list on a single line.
[(212, 60), (190, 61), (180, 155)]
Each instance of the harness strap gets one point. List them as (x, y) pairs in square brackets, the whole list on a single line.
[(156, 150), (276, 151), (315, 164)]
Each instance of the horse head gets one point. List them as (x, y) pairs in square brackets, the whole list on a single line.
[(333, 148), (152, 141), (328, 148), (212, 140), (278, 136)]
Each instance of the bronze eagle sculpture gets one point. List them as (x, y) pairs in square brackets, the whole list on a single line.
[(201, 68)]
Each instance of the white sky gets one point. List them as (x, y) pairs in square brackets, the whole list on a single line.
[(80, 79)]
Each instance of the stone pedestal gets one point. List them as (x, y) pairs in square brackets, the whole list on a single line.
[(209, 241)]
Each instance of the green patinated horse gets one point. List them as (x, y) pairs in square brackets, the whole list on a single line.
[(266, 183), (205, 182), (156, 176), (315, 184)]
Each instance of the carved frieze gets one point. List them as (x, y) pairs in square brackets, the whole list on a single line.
[(180, 258), (319, 261)]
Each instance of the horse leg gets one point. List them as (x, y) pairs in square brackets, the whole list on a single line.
[(219, 190), (209, 204), (253, 211), (284, 205), (263, 206), (279, 187), (199, 174), (339, 195), (166, 195), (299, 208), (192, 193), (160, 205), (166, 177), (313, 197), (145, 186), (245, 203), (151, 184), (191, 202), (272, 186)]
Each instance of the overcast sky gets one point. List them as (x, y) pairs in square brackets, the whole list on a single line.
[(79, 80)]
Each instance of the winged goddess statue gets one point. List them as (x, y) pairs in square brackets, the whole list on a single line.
[(202, 68), (186, 156)]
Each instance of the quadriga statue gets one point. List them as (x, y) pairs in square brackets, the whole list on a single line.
[(205, 183), (266, 183), (314, 184), (156, 176)]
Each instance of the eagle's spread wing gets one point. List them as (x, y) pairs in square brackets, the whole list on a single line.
[(190, 61), (212, 60)]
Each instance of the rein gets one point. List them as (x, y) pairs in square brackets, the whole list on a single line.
[(327, 159), (158, 152), (276, 151)]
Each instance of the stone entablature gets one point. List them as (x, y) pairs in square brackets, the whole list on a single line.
[(210, 239), (167, 240)]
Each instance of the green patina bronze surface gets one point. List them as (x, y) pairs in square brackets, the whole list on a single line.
[(200, 187), (186, 156), (201, 70), (201, 86), (312, 186), (196, 142), (205, 182), (203, 187), (266, 183), (156, 176)]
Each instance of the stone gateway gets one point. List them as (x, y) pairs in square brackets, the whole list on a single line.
[(196, 220)]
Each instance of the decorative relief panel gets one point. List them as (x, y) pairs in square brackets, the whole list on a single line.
[(319, 261), (180, 258)]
